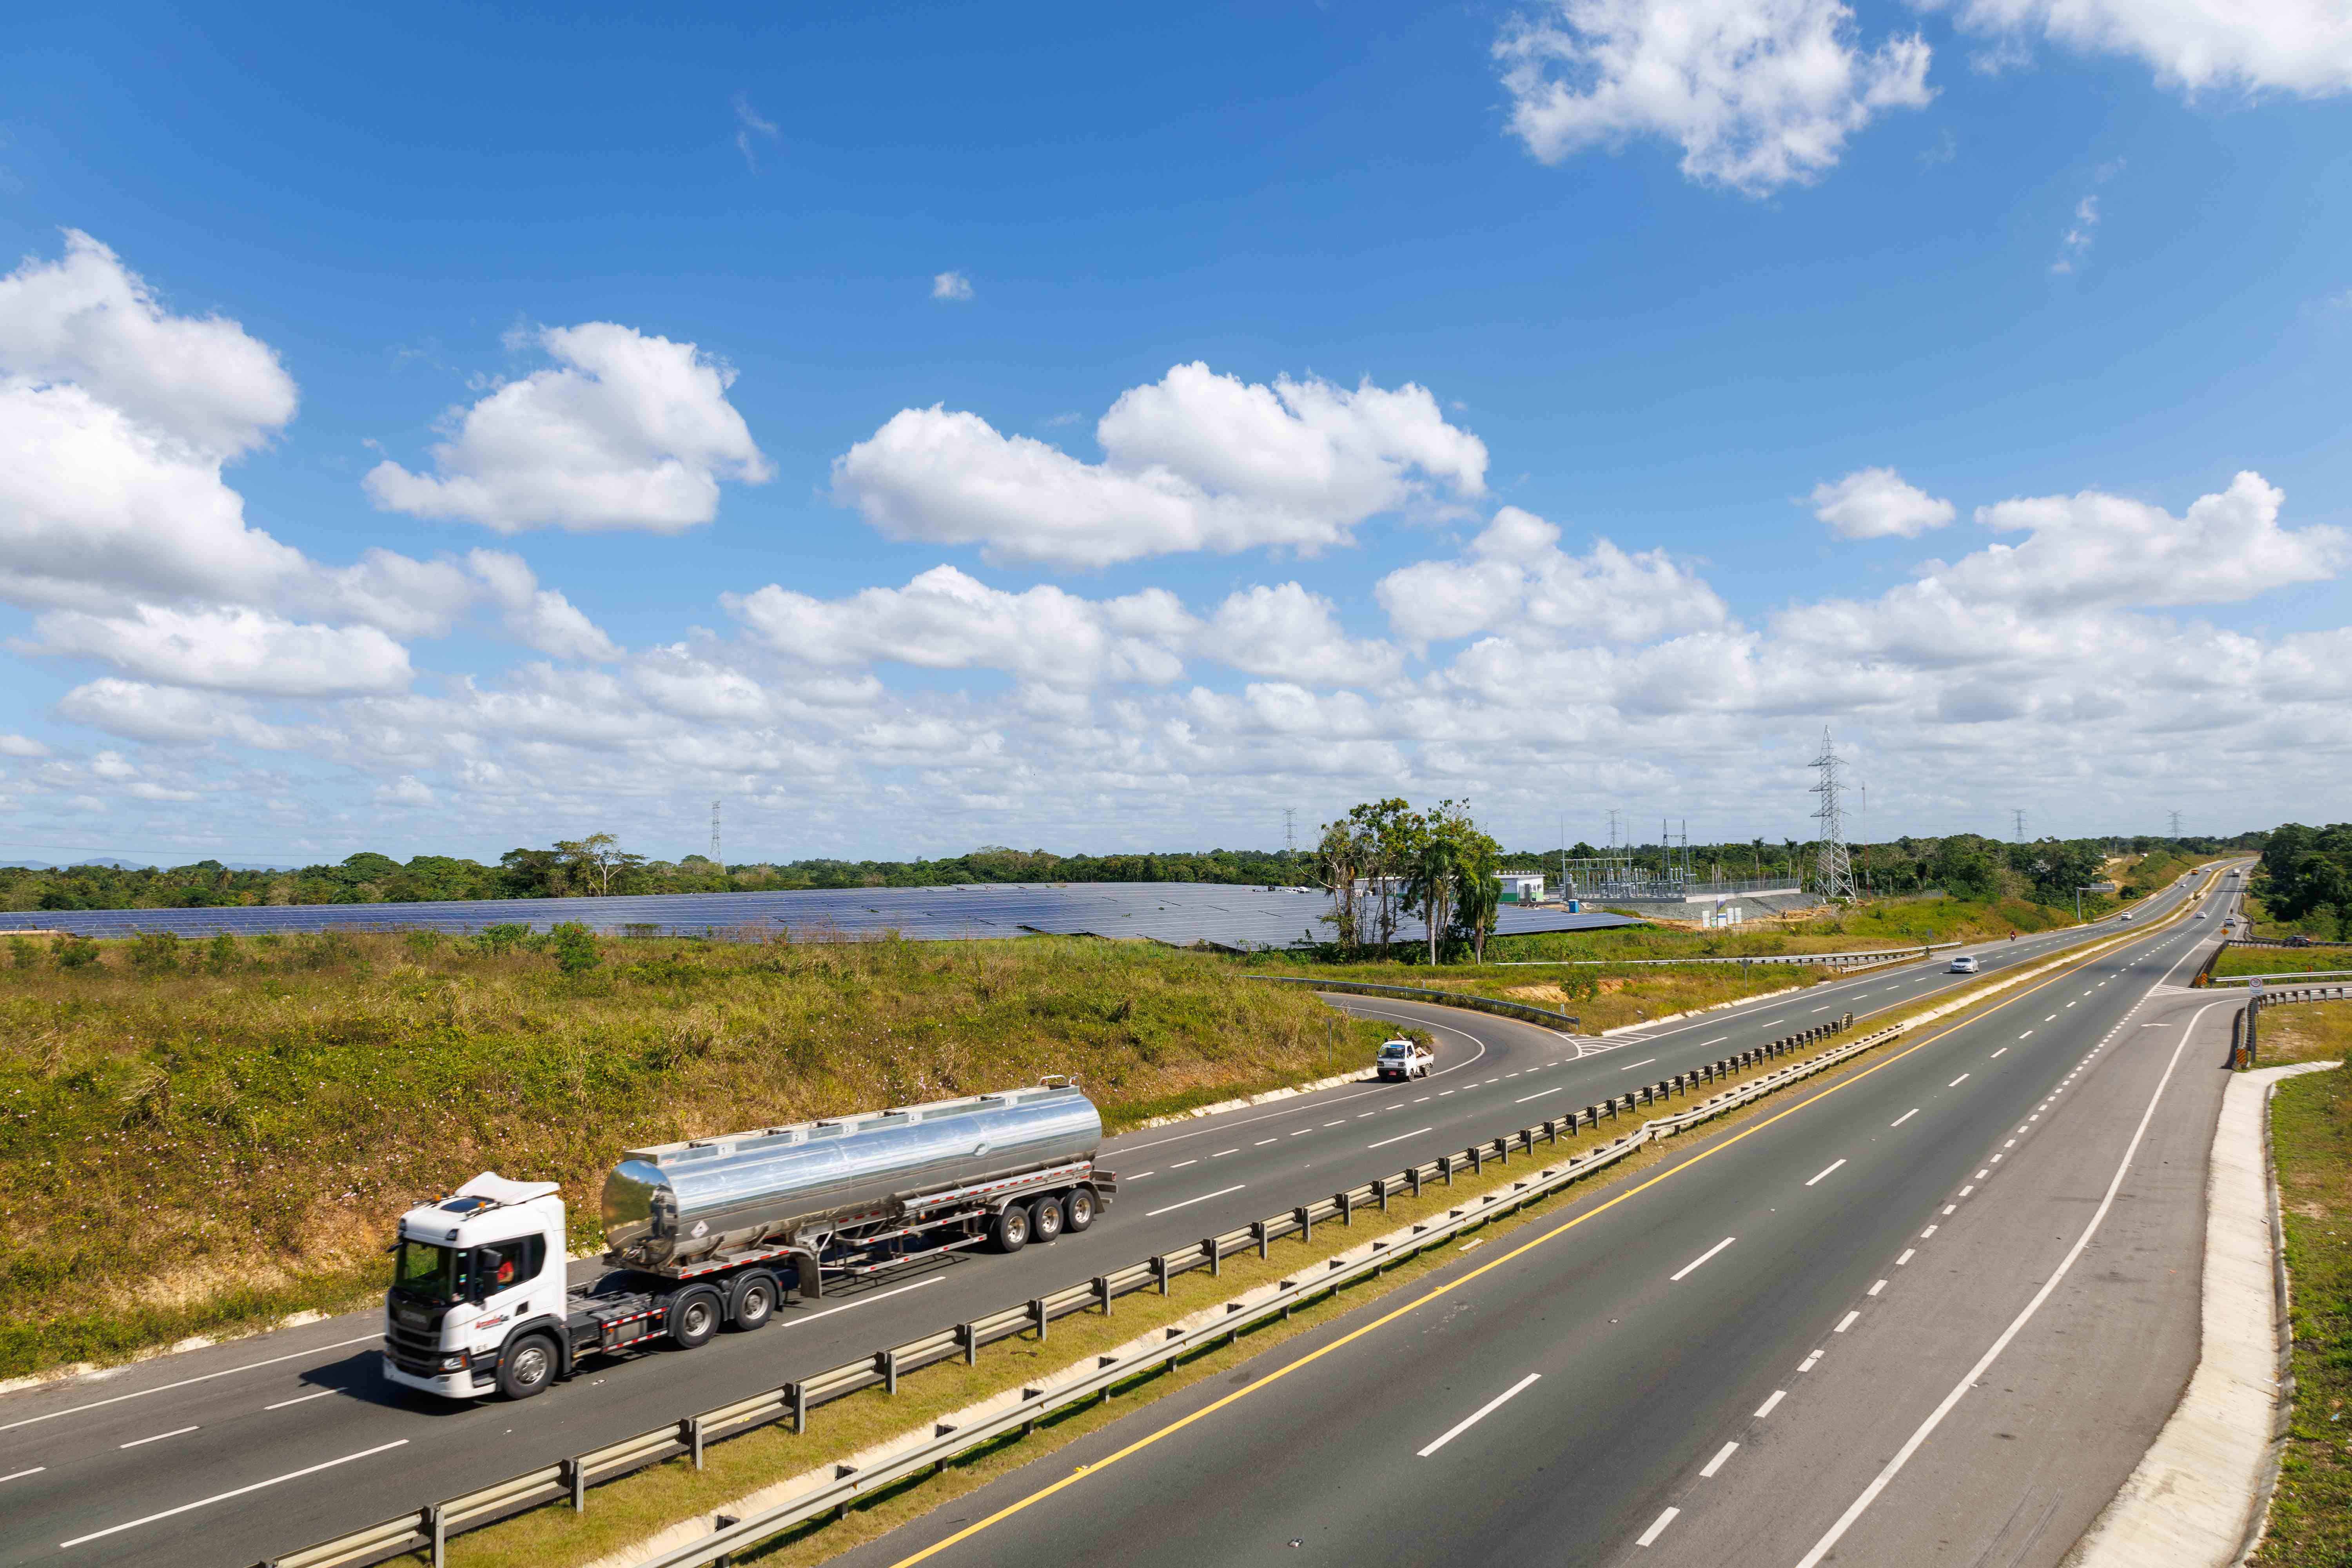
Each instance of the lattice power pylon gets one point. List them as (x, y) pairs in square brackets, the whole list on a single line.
[(1833, 870), (716, 857)]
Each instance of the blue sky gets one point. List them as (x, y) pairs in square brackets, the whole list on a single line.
[(679, 301)]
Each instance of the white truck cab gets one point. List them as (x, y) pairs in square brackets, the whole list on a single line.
[(1402, 1059), (478, 1299)]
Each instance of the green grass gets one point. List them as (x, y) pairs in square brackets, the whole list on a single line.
[(205, 1139), (2280, 960), (2311, 1137)]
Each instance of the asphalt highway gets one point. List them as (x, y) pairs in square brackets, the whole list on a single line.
[(1930, 1310), (230, 1453)]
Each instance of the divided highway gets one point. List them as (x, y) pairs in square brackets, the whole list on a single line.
[(1929, 1310), (228, 1455)]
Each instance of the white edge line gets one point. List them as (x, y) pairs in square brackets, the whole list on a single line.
[(20, 1475), (1540, 1093), (207, 1377), (1479, 1415), (1399, 1138), (224, 1497), (1658, 1526), (1716, 1463), (1187, 1203)]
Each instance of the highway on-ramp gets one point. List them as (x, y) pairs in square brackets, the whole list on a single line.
[(1931, 1310), (243, 1450)]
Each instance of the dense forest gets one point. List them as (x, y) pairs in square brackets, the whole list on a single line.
[(2305, 878), (1963, 865)]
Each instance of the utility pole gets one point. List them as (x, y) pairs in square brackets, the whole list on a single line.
[(715, 854), (1834, 869)]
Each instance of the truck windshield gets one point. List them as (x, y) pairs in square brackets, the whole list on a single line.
[(427, 1272)]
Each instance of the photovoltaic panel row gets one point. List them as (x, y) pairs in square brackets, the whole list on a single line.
[(1179, 913)]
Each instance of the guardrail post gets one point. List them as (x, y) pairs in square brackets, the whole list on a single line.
[(438, 1534), (689, 1431), (1416, 1174), (888, 1363), (1305, 1218), (1037, 1317), (1380, 1191), (1160, 1272), (1478, 1160), (575, 1480), (1346, 1207), (800, 1398), (1258, 1234), (967, 1340), (1446, 1168), (1216, 1255), (1102, 1293)]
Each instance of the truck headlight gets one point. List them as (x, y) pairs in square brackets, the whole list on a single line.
[(453, 1363)]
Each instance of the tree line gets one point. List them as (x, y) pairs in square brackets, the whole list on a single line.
[(2307, 871)]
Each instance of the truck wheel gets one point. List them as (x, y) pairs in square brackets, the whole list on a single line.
[(528, 1367), (695, 1317), (752, 1301), (1078, 1210), (1010, 1231), (1045, 1217)]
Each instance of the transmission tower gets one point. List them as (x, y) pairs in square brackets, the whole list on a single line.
[(2019, 833), (1833, 869), (1290, 830), (2175, 825), (714, 855)]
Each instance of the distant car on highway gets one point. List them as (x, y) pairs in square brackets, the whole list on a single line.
[(2298, 940), (2198, 916), (2126, 915), (1963, 964), (1403, 1059)]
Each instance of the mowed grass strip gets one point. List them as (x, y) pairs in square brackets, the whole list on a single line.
[(2311, 1142), (197, 1140)]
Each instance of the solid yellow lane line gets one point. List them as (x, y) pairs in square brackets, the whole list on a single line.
[(1086, 1471)]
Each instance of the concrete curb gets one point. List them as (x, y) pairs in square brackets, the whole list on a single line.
[(2201, 1493)]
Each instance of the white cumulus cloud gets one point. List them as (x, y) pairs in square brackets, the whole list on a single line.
[(625, 431), (951, 286), (1517, 573), (1293, 634), (1878, 503), (1194, 461), (1757, 93), (228, 650), (2301, 47)]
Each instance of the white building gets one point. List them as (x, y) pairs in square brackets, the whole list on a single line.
[(1521, 887)]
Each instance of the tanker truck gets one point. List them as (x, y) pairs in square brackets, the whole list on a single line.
[(718, 1232)]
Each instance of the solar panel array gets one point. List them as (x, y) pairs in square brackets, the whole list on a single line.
[(1179, 913)]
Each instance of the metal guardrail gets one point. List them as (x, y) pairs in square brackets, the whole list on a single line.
[(1797, 960), (427, 1529), (2218, 981), (2245, 1025)]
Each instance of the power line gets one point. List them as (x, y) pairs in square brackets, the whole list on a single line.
[(1834, 868)]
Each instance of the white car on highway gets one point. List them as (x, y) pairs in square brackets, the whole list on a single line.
[(1401, 1058), (1964, 964)]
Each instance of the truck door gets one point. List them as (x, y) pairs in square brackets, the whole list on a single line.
[(509, 1274)]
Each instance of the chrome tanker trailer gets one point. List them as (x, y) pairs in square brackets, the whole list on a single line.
[(718, 1232)]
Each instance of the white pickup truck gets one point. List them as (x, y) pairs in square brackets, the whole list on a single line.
[(1403, 1059)]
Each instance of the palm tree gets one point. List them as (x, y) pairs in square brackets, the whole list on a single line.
[(1433, 882)]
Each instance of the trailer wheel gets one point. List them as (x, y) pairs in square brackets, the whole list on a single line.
[(528, 1367), (694, 1317), (1009, 1230), (1078, 1209), (752, 1301), (1045, 1217)]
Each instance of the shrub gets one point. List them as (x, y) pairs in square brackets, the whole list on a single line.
[(220, 953), (74, 951), (155, 951), (575, 948), (423, 944), (492, 941), (22, 954)]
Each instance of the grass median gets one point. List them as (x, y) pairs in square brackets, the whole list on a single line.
[(2310, 1144), (629, 1510)]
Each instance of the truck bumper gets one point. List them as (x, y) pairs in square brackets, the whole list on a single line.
[(450, 1385)]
